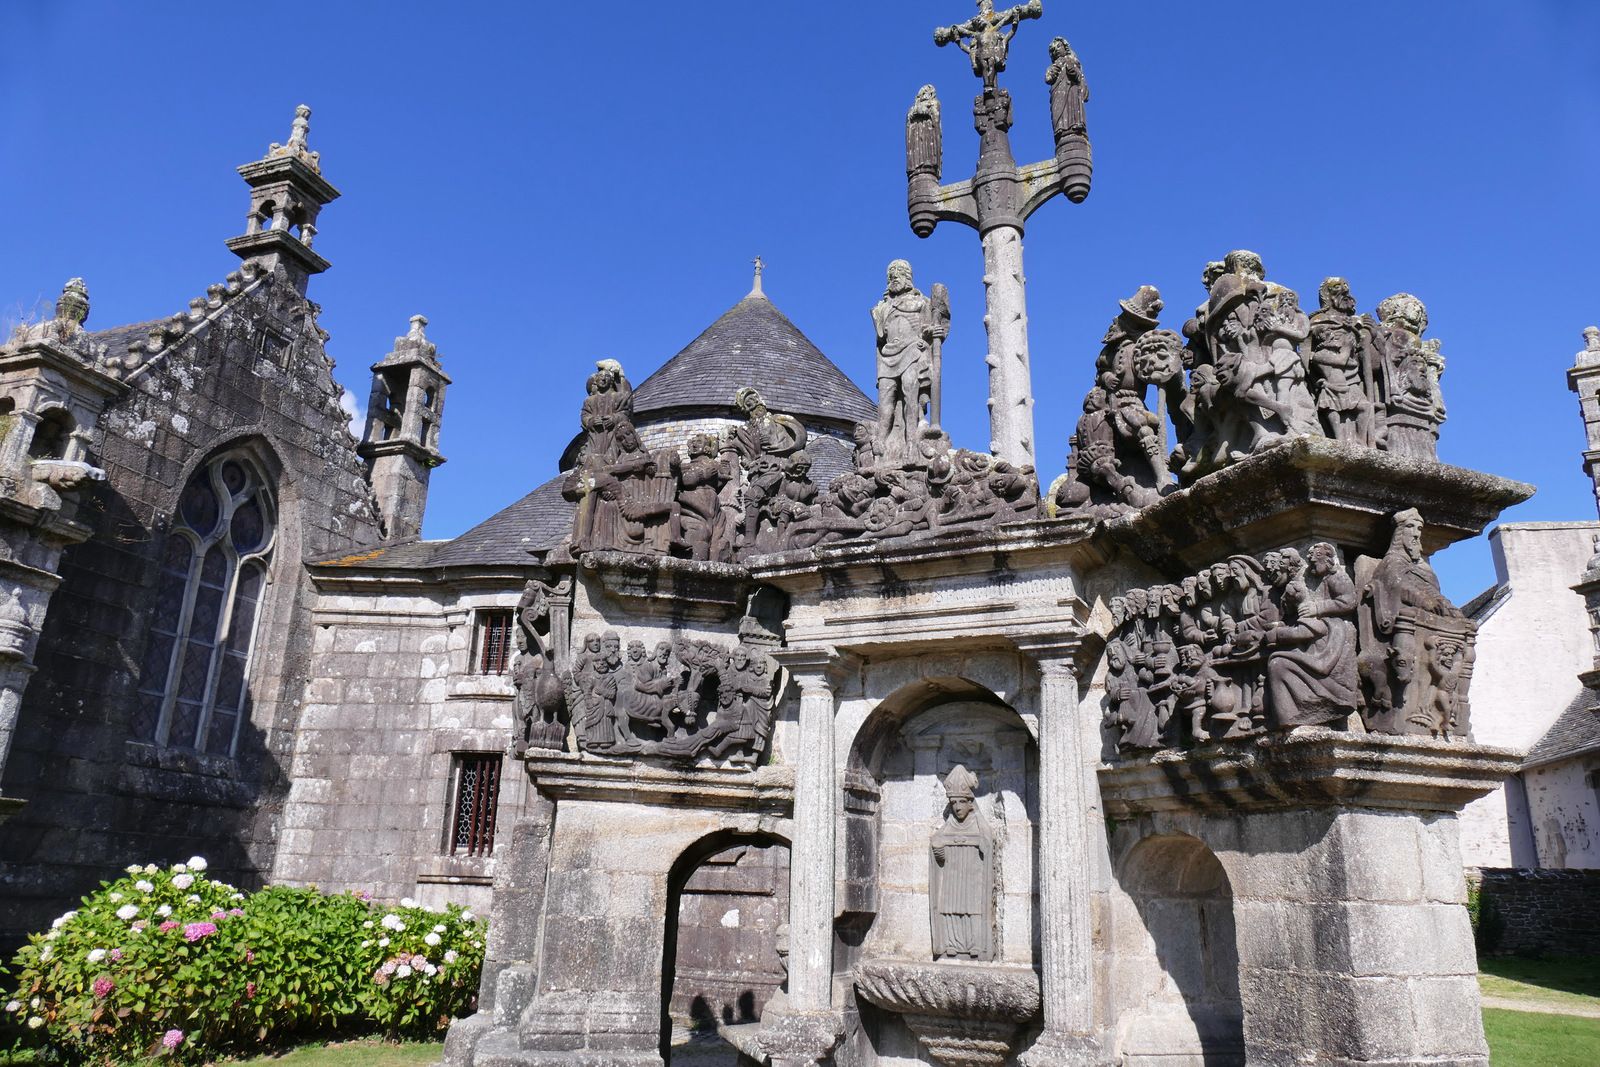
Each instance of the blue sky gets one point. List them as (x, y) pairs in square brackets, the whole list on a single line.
[(552, 184)]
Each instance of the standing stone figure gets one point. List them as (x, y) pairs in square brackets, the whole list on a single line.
[(1412, 367), (767, 446), (610, 402), (1414, 643), (961, 885), (1342, 356), (540, 694), (1069, 92), (906, 327), (924, 135)]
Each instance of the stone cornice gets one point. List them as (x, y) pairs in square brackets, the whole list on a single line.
[(568, 776), (1311, 768)]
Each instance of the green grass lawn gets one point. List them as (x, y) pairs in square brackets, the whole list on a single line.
[(1532, 1039), (1554, 982), (369, 1052)]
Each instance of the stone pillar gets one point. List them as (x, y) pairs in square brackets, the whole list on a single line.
[(1066, 776), (1010, 377), (808, 1027)]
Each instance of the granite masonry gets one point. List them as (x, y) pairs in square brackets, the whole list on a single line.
[(773, 728)]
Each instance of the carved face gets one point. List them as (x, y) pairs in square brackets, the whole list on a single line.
[(899, 277), (1213, 270), (1190, 656), (1290, 565), (1409, 535), (1272, 565), (663, 653), (591, 644), (1220, 573), (627, 437), (1447, 654), (1136, 602), (962, 808), (1324, 559), (1153, 600), (1116, 656), (611, 648), (635, 651), (1239, 573), (1202, 585)]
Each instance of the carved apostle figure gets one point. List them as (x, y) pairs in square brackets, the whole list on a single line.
[(1311, 672), (1068, 90), (702, 526), (1412, 366), (767, 445), (906, 327), (924, 135), (961, 887), (1342, 356)]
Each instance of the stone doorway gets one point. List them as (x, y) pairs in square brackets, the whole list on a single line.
[(727, 898)]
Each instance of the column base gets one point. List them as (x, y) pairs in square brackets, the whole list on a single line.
[(1066, 1050), (800, 1039)]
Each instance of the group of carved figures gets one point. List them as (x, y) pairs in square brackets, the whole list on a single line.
[(1259, 370), (750, 490), (1253, 645), (684, 698)]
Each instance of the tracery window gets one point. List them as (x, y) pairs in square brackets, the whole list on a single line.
[(194, 689)]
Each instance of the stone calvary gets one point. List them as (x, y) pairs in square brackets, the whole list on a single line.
[(824, 740)]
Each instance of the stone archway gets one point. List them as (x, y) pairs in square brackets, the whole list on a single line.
[(727, 897), (1176, 956)]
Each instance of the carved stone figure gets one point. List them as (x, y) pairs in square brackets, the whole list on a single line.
[(906, 328), (1414, 408), (540, 694), (925, 135), (1416, 647), (609, 402), (961, 885), (702, 522), (986, 37), (1069, 93), (1342, 358), (769, 447), (1311, 673)]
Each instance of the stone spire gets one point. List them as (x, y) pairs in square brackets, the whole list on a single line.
[(401, 441), (287, 191)]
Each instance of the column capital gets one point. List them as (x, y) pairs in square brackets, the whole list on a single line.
[(815, 668), (1063, 653)]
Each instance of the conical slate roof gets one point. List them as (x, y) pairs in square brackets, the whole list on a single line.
[(754, 343)]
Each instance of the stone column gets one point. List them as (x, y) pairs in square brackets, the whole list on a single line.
[(1066, 775), (1010, 378), (807, 1028)]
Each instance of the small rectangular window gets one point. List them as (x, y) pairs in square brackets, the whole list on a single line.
[(494, 641), (477, 792)]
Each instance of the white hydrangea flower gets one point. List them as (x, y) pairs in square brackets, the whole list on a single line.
[(393, 922), (96, 955), (197, 863), (151, 868), (439, 929), (383, 942), (431, 939), (52, 935), (367, 925), (61, 920), (366, 944), (193, 898), (35, 1022), (451, 955), (144, 887), (238, 896), (133, 868), (178, 868), (164, 910), (127, 912), (34, 1003), (182, 881), (13, 1006), (467, 916), (45, 953), (403, 971), (407, 902), (113, 897)]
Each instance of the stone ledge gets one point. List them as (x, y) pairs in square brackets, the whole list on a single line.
[(1312, 487), (565, 776), (1309, 768)]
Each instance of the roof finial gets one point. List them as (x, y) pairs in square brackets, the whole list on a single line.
[(297, 146), (755, 290)]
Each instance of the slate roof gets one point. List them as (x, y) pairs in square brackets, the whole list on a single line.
[(118, 338), (538, 520), (1576, 730), (753, 343)]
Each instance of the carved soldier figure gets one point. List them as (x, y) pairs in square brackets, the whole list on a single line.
[(961, 888), (1342, 366), (905, 326)]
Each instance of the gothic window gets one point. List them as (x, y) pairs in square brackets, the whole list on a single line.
[(476, 792), (194, 688), (494, 641)]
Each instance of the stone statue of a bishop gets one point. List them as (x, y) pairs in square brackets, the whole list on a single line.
[(961, 876)]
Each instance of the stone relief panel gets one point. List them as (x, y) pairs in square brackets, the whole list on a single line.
[(1254, 645)]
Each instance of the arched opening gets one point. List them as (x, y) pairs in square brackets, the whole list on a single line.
[(727, 897), (1177, 957), (51, 435), (265, 216)]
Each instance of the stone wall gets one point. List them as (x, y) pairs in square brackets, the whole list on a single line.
[(394, 700), (1564, 812), (99, 797), (1540, 912)]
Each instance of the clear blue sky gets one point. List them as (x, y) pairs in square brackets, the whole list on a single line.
[(553, 184)]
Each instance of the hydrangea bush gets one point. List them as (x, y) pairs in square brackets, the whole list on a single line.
[(170, 962)]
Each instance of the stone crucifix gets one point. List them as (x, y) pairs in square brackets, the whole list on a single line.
[(997, 200)]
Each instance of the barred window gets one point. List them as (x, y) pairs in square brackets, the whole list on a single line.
[(194, 685), (477, 792), (494, 641)]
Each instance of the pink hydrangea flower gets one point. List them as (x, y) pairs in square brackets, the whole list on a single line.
[(234, 913), (249, 989), (249, 956), (172, 1039), (102, 987), (195, 931), (116, 954), (168, 925), (219, 914)]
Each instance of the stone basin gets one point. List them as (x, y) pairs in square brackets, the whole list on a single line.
[(965, 1014)]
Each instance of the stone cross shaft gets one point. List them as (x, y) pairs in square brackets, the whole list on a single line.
[(995, 201)]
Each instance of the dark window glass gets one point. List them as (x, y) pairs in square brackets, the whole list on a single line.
[(494, 641), (477, 792)]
